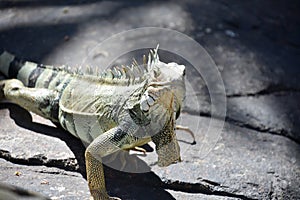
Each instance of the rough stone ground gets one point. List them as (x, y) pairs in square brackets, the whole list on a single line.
[(255, 45)]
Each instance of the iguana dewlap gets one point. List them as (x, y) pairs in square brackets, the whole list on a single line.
[(120, 109)]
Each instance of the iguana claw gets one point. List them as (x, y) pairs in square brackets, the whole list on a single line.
[(188, 130)]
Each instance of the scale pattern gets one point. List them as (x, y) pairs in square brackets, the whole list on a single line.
[(120, 109)]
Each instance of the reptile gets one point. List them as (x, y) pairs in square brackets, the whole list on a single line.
[(120, 109)]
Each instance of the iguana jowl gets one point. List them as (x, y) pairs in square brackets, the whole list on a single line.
[(120, 109)]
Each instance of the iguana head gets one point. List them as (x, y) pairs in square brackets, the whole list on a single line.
[(164, 78), (163, 98)]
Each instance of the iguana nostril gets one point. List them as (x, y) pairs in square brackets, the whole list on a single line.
[(15, 89)]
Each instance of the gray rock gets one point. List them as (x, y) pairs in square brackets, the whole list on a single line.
[(257, 156), (14, 193), (29, 138), (50, 182), (190, 196), (261, 165), (243, 164), (276, 113)]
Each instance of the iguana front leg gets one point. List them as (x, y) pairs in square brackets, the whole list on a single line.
[(105, 144)]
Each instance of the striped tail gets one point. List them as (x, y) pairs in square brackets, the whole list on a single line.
[(10, 65), (32, 74)]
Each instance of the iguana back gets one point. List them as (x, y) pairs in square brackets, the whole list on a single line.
[(118, 110)]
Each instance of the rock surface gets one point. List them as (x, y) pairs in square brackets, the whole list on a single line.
[(256, 48)]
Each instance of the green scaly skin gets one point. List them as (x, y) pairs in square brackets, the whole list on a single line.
[(118, 110)]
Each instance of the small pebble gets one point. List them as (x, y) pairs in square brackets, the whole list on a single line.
[(17, 173), (208, 30), (66, 38), (65, 10), (230, 33), (44, 182)]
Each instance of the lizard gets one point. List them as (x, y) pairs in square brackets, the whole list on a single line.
[(120, 109)]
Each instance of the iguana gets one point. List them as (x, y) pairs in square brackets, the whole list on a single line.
[(120, 109)]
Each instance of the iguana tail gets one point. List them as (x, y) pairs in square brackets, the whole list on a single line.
[(10, 65), (32, 74)]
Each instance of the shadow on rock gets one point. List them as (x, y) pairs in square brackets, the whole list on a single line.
[(119, 183)]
